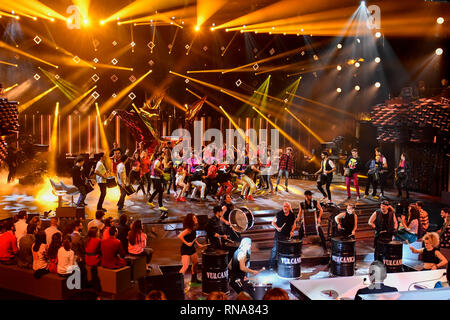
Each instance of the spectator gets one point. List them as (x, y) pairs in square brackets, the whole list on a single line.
[(97, 222), (377, 275), (276, 294), (137, 242), (92, 249), (122, 231), (50, 231), (431, 256), (105, 231), (444, 232), (21, 225), (8, 244), (66, 258), (25, 256), (424, 221), (77, 240), (112, 251), (40, 259), (53, 248), (37, 222), (217, 295), (243, 296), (156, 295), (408, 231)]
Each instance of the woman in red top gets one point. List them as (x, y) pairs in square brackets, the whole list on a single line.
[(108, 224), (52, 252), (93, 255), (8, 244), (146, 163)]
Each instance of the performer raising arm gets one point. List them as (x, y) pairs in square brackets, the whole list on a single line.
[(284, 224)]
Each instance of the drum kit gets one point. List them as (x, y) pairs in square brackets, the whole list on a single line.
[(241, 219)]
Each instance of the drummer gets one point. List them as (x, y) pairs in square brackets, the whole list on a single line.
[(239, 267), (347, 222), (101, 176), (214, 229), (228, 203), (284, 223)]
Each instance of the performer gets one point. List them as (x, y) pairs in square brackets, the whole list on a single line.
[(402, 172), (135, 173), (79, 181), (101, 175), (347, 222), (385, 224), (239, 267), (374, 168), (188, 238), (266, 173), (180, 182), (214, 228), (12, 161), (156, 176), (383, 171), (286, 166), (431, 256), (121, 181), (326, 170), (351, 169), (224, 177), (249, 170), (284, 223), (228, 203), (310, 206), (211, 180), (196, 182)]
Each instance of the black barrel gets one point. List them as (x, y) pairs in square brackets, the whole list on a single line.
[(343, 256), (215, 271), (231, 247), (289, 258), (391, 254)]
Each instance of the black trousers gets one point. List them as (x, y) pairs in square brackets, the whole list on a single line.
[(123, 194), (402, 184), (211, 186), (12, 172), (327, 182), (371, 182), (273, 253), (157, 184), (102, 187), (240, 285)]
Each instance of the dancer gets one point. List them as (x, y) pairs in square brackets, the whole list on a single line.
[(401, 174), (101, 176), (286, 166), (156, 175), (383, 170), (351, 169), (180, 181), (122, 182), (374, 168), (326, 170)]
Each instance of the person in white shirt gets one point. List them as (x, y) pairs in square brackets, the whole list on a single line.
[(21, 225), (122, 182), (97, 222), (39, 249), (66, 258), (50, 231), (101, 175)]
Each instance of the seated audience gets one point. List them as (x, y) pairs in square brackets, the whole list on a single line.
[(276, 294), (66, 258), (25, 256), (112, 251), (431, 256), (8, 244), (424, 220), (40, 259), (137, 242), (21, 225), (105, 231), (37, 222), (243, 296), (97, 222), (156, 295), (50, 231), (77, 240), (92, 248), (53, 248), (122, 231), (444, 232), (217, 295), (377, 275), (408, 230)]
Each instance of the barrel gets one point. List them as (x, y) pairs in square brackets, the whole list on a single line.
[(215, 271), (391, 254), (343, 256), (289, 258), (231, 247)]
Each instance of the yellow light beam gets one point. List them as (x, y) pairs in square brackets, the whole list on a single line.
[(229, 43), (27, 104), (207, 102), (206, 8), (107, 66), (10, 88), (9, 64), (305, 126), (68, 107), (103, 139), (239, 130), (323, 105), (53, 143), (10, 48)]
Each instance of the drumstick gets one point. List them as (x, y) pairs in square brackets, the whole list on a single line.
[(282, 225)]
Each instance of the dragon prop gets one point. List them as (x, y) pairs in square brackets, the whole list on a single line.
[(194, 109)]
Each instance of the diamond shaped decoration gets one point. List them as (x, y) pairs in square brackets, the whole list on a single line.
[(222, 48), (286, 100), (272, 51), (187, 47), (37, 39), (57, 76), (95, 95), (114, 61), (238, 83), (133, 44), (95, 43), (37, 77), (132, 79), (170, 46), (132, 96), (76, 59), (315, 57), (95, 60), (95, 77), (114, 43), (303, 53), (187, 80), (255, 66), (114, 95), (114, 78), (205, 48), (151, 63), (151, 45)]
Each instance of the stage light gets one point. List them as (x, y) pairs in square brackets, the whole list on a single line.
[(377, 84), (339, 90), (197, 28), (440, 20), (102, 22), (86, 22), (357, 64), (439, 51), (363, 3), (339, 68), (357, 88), (339, 46), (377, 60), (378, 34)]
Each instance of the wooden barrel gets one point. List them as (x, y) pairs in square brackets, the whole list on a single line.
[(215, 271), (343, 256), (289, 258), (391, 254)]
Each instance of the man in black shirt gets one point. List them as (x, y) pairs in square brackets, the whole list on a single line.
[(384, 222), (377, 275), (313, 211), (228, 203), (284, 224), (214, 228), (79, 181)]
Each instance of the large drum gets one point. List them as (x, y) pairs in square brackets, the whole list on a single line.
[(343, 256), (391, 254), (241, 219), (289, 258), (215, 271), (259, 290), (111, 182)]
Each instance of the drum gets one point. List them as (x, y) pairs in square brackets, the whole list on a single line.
[(241, 219), (129, 189), (343, 256), (289, 258), (391, 254), (259, 290), (111, 182), (89, 187), (214, 271), (310, 222), (231, 247)]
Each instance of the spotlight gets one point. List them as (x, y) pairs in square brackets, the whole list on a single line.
[(357, 64), (86, 21), (440, 20), (358, 40), (339, 68), (339, 46), (357, 88), (34, 18), (439, 51), (378, 34), (363, 3), (51, 19), (377, 84), (102, 22), (339, 90), (197, 28), (377, 60)]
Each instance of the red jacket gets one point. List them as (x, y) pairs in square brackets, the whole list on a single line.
[(286, 162), (93, 252), (8, 246), (111, 249)]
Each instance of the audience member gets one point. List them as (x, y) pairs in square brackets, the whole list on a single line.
[(50, 231), (21, 226), (40, 258), (424, 221), (276, 294), (53, 248), (25, 256), (444, 232), (408, 230), (122, 231), (377, 275), (137, 242), (97, 222), (105, 231), (77, 240), (92, 248), (112, 251), (431, 256), (243, 296), (8, 244), (66, 257), (217, 295), (156, 295)]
